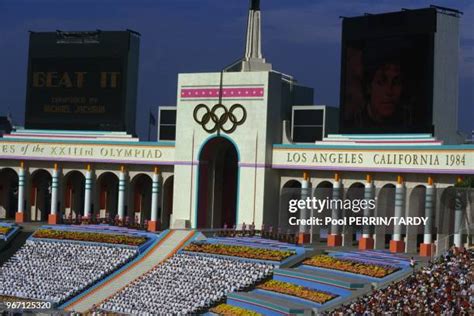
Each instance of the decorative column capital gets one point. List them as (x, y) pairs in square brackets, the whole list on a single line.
[(306, 175), (368, 178), (399, 179)]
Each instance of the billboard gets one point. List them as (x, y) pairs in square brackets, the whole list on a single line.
[(387, 73), (87, 84)]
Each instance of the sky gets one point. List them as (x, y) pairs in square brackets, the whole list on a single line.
[(300, 37)]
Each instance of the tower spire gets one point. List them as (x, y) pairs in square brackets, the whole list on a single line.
[(253, 59), (255, 5), (253, 47)]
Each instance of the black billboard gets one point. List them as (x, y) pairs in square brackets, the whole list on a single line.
[(82, 81), (387, 73)]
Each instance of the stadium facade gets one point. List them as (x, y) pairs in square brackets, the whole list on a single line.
[(232, 161)]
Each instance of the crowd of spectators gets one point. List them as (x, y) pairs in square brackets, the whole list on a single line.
[(186, 284), (443, 287), (128, 221), (55, 271), (268, 232)]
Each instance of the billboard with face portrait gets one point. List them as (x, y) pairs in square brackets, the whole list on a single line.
[(387, 74)]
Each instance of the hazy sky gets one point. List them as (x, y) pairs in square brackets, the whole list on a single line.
[(300, 37)]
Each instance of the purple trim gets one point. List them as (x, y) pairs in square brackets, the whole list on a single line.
[(254, 165), (248, 165), (138, 162), (240, 92), (382, 141), (381, 169)]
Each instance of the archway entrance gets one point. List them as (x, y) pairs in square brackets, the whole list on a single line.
[(40, 195), (8, 193), (352, 233), (416, 209), (167, 209), (291, 190), (74, 195), (107, 185), (385, 208), (141, 199), (323, 191), (217, 188)]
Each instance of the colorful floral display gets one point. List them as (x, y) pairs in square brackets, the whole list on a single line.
[(4, 230), (90, 236), (297, 291), (229, 310), (240, 251), (351, 265)]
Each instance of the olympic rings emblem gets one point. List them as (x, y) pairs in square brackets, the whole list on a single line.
[(219, 118)]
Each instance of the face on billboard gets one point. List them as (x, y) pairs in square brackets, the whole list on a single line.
[(386, 85)]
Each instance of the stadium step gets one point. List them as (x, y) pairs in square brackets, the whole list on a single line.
[(163, 249), (267, 304), (322, 277), (8, 250)]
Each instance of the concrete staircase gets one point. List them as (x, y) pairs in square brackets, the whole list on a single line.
[(164, 249)]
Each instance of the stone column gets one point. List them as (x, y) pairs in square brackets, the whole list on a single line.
[(153, 224), (458, 218), (20, 214), (53, 218), (121, 194), (88, 192), (427, 247), (303, 235), (335, 238), (397, 244), (367, 241)]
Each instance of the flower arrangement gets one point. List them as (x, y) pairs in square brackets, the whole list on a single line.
[(4, 230), (297, 291), (240, 251), (229, 310), (351, 265), (89, 236)]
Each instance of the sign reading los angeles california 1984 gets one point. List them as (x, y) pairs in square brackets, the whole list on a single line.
[(422, 159)]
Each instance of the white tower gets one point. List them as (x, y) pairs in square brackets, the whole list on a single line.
[(253, 59)]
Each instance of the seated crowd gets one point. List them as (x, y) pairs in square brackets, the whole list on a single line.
[(268, 232), (444, 287), (186, 284), (56, 271), (128, 221)]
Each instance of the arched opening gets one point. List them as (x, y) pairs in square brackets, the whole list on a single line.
[(74, 186), (167, 203), (40, 195), (417, 209), (217, 188), (352, 232), (445, 218), (385, 207), (140, 209), (323, 191), (291, 190), (8, 193), (107, 189)]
